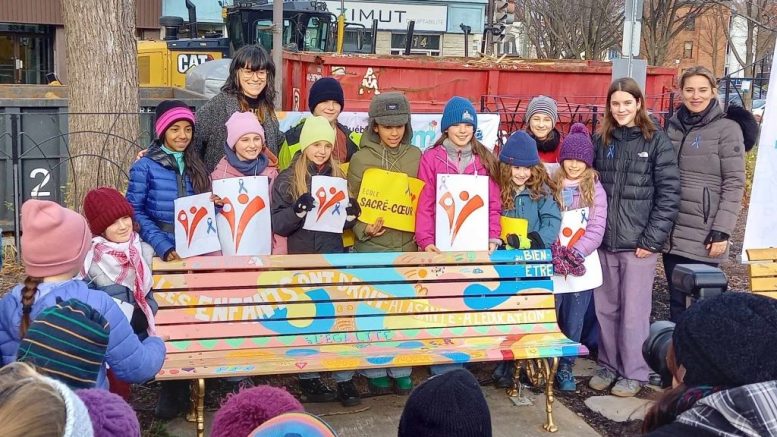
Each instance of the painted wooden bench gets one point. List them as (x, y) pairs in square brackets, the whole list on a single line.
[(763, 271), (268, 315)]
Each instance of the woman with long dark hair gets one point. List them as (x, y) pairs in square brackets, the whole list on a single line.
[(249, 88), (638, 171)]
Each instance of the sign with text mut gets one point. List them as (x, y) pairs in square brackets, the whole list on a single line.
[(432, 18)]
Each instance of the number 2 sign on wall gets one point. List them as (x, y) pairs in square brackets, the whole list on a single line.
[(36, 190)]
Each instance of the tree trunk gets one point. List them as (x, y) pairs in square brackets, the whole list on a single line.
[(103, 94)]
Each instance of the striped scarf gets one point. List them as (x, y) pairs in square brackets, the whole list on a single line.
[(123, 263)]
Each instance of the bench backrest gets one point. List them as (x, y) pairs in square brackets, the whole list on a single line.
[(763, 271), (233, 303)]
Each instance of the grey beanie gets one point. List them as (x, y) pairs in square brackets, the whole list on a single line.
[(544, 105), (389, 109)]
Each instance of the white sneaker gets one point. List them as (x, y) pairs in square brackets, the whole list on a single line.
[(602, 379)]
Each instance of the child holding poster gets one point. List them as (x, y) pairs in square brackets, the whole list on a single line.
[(527, 193), (456, 152), (245, 154), (577, 186), (169, 170), (292, 201), (385, 145)]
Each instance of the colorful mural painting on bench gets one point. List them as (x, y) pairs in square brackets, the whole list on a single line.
[(363, 316)]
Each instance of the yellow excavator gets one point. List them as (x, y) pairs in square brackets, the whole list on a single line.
[(307, 26)]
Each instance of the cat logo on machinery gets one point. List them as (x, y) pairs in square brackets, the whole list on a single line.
[(189, 60)]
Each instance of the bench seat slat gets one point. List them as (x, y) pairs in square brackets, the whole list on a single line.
[(312, 261), (761, 270), (293, 340), (347, 292), (308, 326), (769, 254), (374, 348), (355, 276), (453, 351), (763, 284), (299, 309), (772, 294)]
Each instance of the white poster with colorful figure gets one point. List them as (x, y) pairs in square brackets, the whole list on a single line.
[(461, 212), (331, 199), (195, 226), (426, 127), (244, 221), (573, 223)]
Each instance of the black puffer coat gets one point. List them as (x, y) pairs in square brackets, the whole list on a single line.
[(642, 182), (286, 223)]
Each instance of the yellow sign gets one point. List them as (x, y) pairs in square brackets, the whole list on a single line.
[(391, 195), (517, 226), (348, 238)]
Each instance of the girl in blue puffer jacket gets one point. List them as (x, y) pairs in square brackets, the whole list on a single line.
[(55, 241), (169, 170)]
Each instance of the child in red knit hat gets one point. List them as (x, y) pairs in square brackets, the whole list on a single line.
[(118, 262)]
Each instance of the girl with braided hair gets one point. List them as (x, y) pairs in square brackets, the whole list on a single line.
[(55, 242)]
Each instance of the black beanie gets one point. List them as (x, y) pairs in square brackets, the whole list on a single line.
[(326, 88), (729, 340), (446, 405)]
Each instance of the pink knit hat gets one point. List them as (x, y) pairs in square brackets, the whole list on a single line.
[(55, 240), (251, 407), (241, 123)]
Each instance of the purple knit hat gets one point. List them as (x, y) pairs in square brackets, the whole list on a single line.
[(244, 411), (111, 416), (577, 145)]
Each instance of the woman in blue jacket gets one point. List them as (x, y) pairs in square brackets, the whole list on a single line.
[(55, 242), (169, 170)]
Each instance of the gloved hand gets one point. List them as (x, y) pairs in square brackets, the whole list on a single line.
[(576, 262), (536, 241), (517, 242), (716, 237), (304, 204), (353, 210)]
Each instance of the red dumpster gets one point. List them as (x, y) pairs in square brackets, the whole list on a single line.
[(429, 82)]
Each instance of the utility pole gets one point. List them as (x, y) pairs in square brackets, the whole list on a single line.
[(627, 65), (277, 51), (490, 11)]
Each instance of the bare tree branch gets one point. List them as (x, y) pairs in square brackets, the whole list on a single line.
[(583, 29)]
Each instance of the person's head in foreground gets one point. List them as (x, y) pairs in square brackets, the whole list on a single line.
[(447, 405), (724, 361)]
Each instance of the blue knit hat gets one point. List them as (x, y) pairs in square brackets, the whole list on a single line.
[(520, 151), (458, 110)]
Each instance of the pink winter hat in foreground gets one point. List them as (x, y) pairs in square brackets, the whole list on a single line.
[(244, 411), (241, 123), (55, 240)]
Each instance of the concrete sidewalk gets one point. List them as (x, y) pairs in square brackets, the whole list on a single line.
[(379, 417)]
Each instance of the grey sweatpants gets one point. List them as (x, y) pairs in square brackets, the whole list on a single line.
[(623, 303)]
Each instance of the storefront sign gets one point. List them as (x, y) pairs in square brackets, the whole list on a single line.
[(432, 18)]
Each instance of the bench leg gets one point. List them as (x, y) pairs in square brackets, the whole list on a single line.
[(548, 367), (197, 410)]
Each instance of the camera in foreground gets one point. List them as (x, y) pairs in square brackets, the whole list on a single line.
[(698, 282)]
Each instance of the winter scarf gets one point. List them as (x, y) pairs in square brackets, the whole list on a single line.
[(248, 168), (690, 119), (123, 263), (550, 143)]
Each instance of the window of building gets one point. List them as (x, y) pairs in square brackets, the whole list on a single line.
[(690, 24), (688, 50), (426, 45)]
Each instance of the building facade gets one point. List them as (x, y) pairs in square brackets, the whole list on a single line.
[(32, 38), (438, 24)]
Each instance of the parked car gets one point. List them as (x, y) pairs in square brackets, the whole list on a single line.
[(759, 105)]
